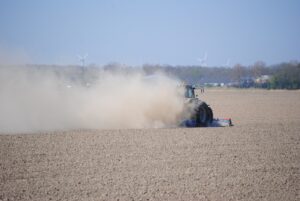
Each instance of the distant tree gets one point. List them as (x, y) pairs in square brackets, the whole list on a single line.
[(287, 76), (238, 72), (258, 69), (113, 67)]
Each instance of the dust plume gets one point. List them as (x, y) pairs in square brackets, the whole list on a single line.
[(34, 100)]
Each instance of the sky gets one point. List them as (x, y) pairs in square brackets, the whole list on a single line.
[(137, 32)]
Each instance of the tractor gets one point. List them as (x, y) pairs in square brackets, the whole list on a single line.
[(201, 113)]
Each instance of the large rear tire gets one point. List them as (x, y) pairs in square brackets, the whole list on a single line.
[(204, 115), (210, 115)]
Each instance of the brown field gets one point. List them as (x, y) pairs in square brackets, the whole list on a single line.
[(257, 159)]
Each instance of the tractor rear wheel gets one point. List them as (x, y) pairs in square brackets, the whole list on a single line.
[(204, 115)]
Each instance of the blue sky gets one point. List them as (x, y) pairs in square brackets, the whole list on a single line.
[(135, 32)]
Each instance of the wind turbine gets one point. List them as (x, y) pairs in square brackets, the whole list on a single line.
[(82, 59), (227, 63), (203, 61)]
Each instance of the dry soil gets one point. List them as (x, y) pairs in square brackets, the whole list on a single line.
[(257, 159)]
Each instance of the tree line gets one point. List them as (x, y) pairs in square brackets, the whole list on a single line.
[(279, 76), (259, 75)]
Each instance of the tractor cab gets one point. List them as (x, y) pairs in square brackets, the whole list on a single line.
[(189, 91)]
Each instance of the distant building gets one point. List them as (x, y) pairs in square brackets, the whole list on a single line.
[(246, 82), (263, 79)]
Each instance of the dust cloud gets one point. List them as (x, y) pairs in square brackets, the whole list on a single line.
[(34, 100)]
